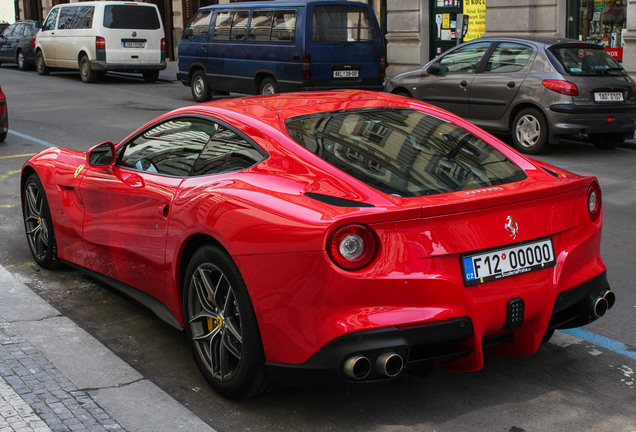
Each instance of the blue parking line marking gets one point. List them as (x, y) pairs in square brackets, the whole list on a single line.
[(602, 341), (30, 138)]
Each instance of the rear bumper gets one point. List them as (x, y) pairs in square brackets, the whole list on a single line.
[(441, 342), (100, 65), (567, 119)]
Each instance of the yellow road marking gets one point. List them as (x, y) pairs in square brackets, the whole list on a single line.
[(16, 156), (7, 205), (10, 173), (29, 264)]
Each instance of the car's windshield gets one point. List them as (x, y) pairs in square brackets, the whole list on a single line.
[(587, 60), (403, 152)]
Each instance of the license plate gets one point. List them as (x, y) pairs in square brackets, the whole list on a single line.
[(608, 97), (346, 73), (134, 44), (508, 261)]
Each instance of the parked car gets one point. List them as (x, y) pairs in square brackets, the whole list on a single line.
[(538, 89), (3, 25), (100, 37), (343, 235), (4, 116), (265, 47), (17, 44)]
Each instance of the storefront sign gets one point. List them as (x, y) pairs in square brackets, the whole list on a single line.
[(616, 53), (476, 9)]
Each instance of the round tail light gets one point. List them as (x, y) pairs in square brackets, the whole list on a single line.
[(352, 247), (594, 201)]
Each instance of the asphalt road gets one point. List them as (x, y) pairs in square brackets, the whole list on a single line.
[(568, 385)]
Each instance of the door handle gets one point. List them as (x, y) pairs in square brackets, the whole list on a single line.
[(463, 84), (511, 84), (163, 210)]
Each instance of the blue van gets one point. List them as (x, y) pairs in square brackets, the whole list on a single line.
[(268, 47)]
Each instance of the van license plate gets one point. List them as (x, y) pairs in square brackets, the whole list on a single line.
[(608, 97), (509, 261), (346, 73), (134, 44)]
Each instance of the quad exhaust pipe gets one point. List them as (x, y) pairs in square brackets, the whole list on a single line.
[(601, 304), (358, 367)]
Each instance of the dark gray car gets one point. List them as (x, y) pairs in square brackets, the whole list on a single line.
[(17, 44), (537, 89)]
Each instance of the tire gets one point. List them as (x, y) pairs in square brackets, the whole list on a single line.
[(40, 64), (199, 87), (607, 141), (21, 61), (530, 131), (87, 74), (268, 86), (38, 224), (151, 77), (221, 325), (3, 136)]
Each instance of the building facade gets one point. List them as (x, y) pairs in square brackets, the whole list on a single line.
[(417, 30)]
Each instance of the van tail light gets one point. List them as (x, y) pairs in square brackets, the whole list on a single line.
[(306, 68), (352, 247), (33, 42), (382, 67), (562, 87), (163, 44), (594, 201), (100, 43)]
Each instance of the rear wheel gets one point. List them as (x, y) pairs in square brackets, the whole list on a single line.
[(40, 64), (221, 325), (607, 141), (530, 131), (87, 74), (38, 224), (199, 86), (21, 61), (268, 86)]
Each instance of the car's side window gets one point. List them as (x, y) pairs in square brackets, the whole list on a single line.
[(188, 146), (508, 57), (200, 24), (466, 59), (49, 24), (226, 151)]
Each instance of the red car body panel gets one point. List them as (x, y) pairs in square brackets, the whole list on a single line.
[(134, 227)]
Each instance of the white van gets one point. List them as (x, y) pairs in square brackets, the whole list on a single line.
[(98, 37)]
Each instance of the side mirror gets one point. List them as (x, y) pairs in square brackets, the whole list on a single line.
[(188, 33), (101, 155), (434, 69)]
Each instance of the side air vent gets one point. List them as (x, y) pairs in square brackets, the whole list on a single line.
[(335, 201)]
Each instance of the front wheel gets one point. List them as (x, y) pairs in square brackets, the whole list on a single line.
[(199, 87), (38, 224), (607, 141), (268, 86), (40, 64), (221, 325), (87, 74), (530, 131)]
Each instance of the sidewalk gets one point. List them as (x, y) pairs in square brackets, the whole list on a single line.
[(56, 377)]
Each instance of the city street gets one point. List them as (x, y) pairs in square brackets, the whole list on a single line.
[(580, 380)]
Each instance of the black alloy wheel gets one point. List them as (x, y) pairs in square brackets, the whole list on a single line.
[(221, 325), (38, 224)]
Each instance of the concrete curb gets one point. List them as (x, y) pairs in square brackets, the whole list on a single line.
[(132, 401)]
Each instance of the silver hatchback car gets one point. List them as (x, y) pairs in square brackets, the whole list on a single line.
[(537, 89)]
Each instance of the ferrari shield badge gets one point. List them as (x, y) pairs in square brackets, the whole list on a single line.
[(78, 171)]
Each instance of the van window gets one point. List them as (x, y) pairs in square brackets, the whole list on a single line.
[(231, 25), (76, 17), (342, 24), (272, 25), (200, 24), (131, 17), (49, 24)]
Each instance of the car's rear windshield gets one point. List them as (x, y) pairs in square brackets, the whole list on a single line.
[(402, 151), (131, 17), (586, 60), (336, 24)]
